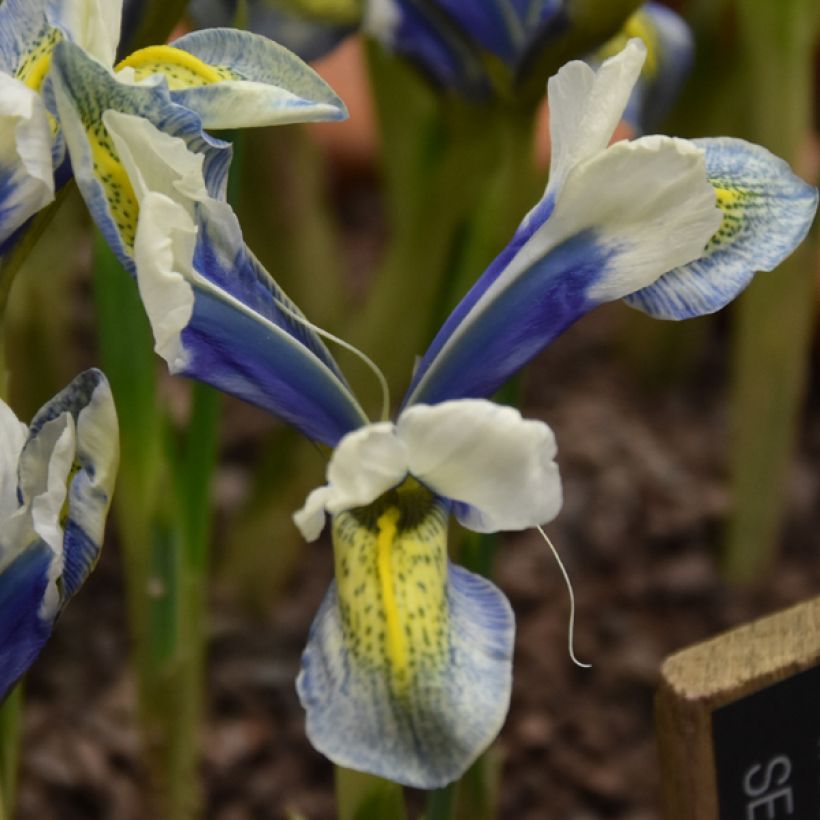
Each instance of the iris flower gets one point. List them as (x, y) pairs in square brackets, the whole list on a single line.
[(407, 670), (56, 480), (219, 78), (481, 49)]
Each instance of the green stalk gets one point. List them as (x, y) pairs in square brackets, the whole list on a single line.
[(361, 796), (774, 318), (11, 719), (162, 512)]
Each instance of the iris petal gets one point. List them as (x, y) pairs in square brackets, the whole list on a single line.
[(84, 90), (259, 82), (619, 220), (407, 671), (767, 211)]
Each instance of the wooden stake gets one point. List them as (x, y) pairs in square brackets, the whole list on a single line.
[(738, 722)]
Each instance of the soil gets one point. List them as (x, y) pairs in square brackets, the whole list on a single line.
[(646, 497)]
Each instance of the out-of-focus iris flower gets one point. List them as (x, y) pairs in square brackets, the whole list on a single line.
[(670, 51), (56, 480), (407, 670), (479, 49), (219, 78)]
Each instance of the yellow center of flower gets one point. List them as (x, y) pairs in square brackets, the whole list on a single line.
[(391, 573), (180, 69)]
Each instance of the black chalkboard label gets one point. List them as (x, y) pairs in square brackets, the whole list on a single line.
[(767, 752)]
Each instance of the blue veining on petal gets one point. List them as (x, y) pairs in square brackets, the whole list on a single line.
[(239, 354), (22, 632), (767, 213), (522, 319), (429, 738)]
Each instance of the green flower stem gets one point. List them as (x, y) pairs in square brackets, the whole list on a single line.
[(441, 803), (162, 512), (362, 796), (11, 717), (774, 318)]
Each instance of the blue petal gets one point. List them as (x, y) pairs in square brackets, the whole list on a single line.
[(23, 632), (421, 713), (265, 83), (427, 37), (218, 316), (527, 316), (84, 90), (767, 211)]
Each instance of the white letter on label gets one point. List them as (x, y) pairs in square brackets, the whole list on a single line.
[(777, 772)]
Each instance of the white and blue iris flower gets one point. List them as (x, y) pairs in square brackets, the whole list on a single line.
[(219, 78), (407, 670), (56, 480)]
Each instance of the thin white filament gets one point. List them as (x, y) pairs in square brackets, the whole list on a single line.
[(571, 628), (347, 346)]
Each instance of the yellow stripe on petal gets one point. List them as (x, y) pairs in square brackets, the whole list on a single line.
[(391, 574), (35, 64), (122, 201), (638, 25), (180, 68)]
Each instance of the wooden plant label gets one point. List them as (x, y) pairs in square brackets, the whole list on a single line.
[(738, 722)]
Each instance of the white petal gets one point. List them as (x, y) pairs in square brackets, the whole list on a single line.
[(12, 437), (496, 466), (163, 253), (586, 106), (93, 24), (648, 205), (366, 464), (311, 518), (155, 161), (26, 174)]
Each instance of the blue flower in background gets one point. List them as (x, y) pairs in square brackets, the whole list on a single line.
[(407, 670), (56, 480), (218, 78)]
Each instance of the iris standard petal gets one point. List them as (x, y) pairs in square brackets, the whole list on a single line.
[(364, 465), (586, 107), (237, 79), (94, 25), (497, 468), (84, 90), (26, 173), (767, 211), (203, 330), (620, 219), (13, 436), (407, 671)]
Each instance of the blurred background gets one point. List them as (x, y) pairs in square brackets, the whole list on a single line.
[(690, 455)]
